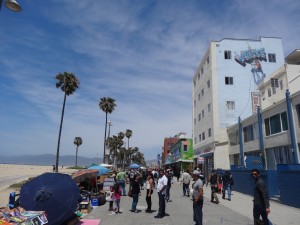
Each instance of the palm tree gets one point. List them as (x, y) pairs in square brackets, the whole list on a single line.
[(128, 134), (77, 142), (115, 143), (138, 158), (68, 83), (107, 105)]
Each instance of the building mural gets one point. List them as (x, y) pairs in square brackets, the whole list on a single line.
[(253, 57)]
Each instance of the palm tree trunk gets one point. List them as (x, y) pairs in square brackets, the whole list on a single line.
[(105, 138), (76, 155), (59, 135)]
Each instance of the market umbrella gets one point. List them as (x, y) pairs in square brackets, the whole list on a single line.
[(55, 193), (134, 166), (106, 165), (101, 169), (83, 175)]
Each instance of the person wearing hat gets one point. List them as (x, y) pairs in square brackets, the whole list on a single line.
[(197, 198)]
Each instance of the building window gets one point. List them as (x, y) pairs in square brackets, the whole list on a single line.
[(263, 95), (274, 82), (199, 137), (208, 107), (269, 92), (208, 84), (203, 136), (274, 90), (199, 116), (202, 70), (185, 148), (298, 113), (248, 133), (281, 84), (229, 80), (194, 121), (207, 60), (230, 105), (198, 76), (276, 124), (194, 103), (195, 140), (227, 54), (272, 57), (209, 132), (234, 138), (194, 83), (202, 92), (203, 113), (199, 97)]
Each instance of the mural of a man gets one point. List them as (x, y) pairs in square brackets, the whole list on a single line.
[(253, 57)]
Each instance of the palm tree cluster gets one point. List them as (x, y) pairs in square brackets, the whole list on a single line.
[(69, 83), (122, 156)]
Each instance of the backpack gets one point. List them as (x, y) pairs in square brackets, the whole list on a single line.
[(213, 178), (131, 175), (231, 180)]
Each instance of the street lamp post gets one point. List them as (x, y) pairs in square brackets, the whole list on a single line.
[(12, 5)]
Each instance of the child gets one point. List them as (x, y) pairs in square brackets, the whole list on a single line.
[(117, 197), (110, 198)]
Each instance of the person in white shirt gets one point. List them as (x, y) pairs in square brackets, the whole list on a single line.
[(186, 179), (161, 190)]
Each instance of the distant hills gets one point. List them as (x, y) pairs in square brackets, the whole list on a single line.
[(49, 160)]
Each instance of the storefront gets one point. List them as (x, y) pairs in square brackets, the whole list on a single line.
[(181, 156)]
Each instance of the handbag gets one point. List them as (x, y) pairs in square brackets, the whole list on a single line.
[(129, 193)]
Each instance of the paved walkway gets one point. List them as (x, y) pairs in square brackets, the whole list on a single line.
[(238, 211)]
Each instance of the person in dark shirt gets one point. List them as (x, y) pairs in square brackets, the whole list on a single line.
[(135, 190), (214, 184), (226, 179), (169, 176), (261, 205)]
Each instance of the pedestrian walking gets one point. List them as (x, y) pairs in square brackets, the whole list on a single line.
[(135, 190), (214, 186), (186, 179), (110, 198), (131, 177), (117, 197), (169, 176), (149, 187), (155, 176), (226, 179), (261, 204), (161, 190), (121, 176), (197, 198)]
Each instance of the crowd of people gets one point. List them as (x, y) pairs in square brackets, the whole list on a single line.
[(162, 180)]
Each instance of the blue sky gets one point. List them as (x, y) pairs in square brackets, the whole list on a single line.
[(142, 53)]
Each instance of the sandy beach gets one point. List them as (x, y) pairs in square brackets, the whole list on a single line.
[(11, 174)]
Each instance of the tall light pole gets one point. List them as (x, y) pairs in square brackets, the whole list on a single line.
[(12, 5)]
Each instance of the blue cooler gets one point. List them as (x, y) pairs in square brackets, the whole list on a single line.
[(95, 201)]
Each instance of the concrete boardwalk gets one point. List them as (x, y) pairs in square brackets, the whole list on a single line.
[(238, 211)]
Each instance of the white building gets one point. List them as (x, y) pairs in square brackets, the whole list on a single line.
[(276, 129), (230, 70)]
